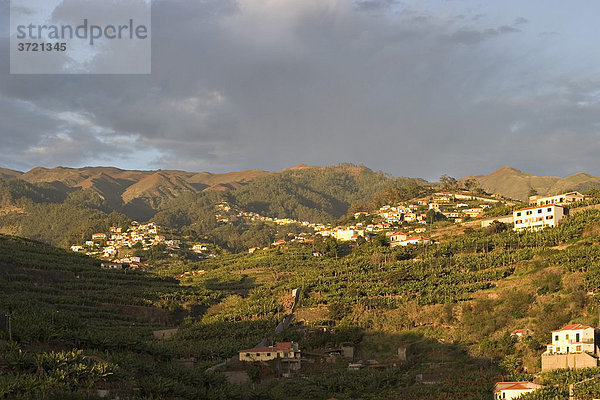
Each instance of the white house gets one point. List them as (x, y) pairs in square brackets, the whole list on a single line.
[(574, 338), (411, 240), (287, 353), (563, 198), (398, 237), (536, 218), (473, 212), (347, 234), (512, 390)]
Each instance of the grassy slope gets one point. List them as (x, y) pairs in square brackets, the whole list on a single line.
[(453, 302)]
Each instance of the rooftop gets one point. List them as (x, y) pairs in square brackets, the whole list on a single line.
[(572, 327)]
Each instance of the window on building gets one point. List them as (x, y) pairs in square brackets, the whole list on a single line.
[(578, 348), (577, 337), (549, 208), (540, 211), (247, 354), (558, 349), (518, 214), (257, 354), (567, 336), (529, 212), (556, 338), (549, 217), (268, 354)]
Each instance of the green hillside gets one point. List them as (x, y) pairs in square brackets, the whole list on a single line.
[(452, 305), (76, 328), (315, 194)]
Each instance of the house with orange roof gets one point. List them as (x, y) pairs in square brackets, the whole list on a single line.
[(573, 346), (521, 333), (281, 350), (575, 338), (284, 356), (512, 390), (98, 236)]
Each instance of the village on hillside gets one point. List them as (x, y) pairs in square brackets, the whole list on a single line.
[(573, 346), (403, 224)]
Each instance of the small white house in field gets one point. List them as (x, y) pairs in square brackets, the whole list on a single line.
[(536, 218), (411, 240), (398, 236), (512, 390), (521, 333), (282, 350)]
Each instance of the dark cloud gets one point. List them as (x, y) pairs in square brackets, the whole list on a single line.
[(521, 21), (372, 5), (254, 84)]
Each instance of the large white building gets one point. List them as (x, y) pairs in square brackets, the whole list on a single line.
[(574, 338), (536, 218), (556, 199)]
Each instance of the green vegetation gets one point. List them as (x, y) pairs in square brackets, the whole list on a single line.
[(76, 328)]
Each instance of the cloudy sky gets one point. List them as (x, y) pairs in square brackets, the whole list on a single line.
[(413, 88)]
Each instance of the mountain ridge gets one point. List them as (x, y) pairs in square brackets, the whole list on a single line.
[(122, 185), (515, 184)]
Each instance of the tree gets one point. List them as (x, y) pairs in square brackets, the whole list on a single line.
[(448, 182), (433, 216), (495, 227), (470, 184)]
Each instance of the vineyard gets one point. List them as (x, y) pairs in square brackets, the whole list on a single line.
[(77, 329)]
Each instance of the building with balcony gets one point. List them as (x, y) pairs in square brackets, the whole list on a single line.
[(573, 346), (536, 218), (556, 199)]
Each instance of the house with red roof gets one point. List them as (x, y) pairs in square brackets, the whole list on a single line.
[(573, 346), (398, 236), (285, 356), (575, 338), (281, 350), (521, 333), (512, 390)]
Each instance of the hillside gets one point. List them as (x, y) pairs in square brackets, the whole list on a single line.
[(314, 193), (9, 173), (426, 299), (76, 328), (518, 185), (145, 189)]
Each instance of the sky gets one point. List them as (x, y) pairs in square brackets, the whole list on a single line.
[(412, 88)]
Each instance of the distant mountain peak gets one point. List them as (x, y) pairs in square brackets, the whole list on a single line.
[(299, 166), (507, 169)]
